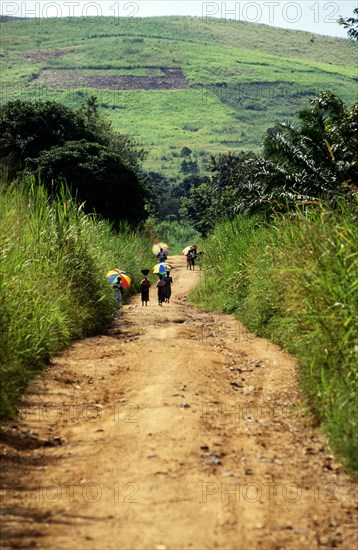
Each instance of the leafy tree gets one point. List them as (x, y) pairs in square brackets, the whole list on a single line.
[(222, 195), (99, 165), (182, 189), (317, 156), (98, 178), (351, 24), (27, 128), (196, 208), (162, 201), (166, 193), (189, 166)]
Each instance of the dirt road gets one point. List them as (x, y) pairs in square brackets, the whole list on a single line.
[(177, 430)]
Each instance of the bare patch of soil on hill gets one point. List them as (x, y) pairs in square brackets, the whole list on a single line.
[(172, 79), (46, 55)]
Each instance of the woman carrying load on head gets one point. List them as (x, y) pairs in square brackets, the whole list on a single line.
[(144, 290)]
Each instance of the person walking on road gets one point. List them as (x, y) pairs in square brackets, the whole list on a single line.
[(118, 289), (144, 290), (190, 260), (161, 290), (168, 286), (161, 256)]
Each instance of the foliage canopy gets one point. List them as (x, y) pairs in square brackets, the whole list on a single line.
[(312, 159), (351, 24), (100, 166)]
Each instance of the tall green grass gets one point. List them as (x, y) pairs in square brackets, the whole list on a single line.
[(295, 281), (53, 286)]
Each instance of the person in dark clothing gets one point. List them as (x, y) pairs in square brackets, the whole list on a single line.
[(190, 260), (161, 256), (144, 290), (168, 286), (161, 290), (118, 289)]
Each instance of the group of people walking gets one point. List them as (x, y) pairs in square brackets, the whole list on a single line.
[(191, 256), (165, 281), (163, 285)]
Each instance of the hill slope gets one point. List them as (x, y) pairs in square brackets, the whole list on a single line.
[(176, 81)]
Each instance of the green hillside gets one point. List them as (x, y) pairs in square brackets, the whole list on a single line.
[(176, 81)]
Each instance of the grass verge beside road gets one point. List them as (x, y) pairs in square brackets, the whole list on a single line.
[(294, 280)]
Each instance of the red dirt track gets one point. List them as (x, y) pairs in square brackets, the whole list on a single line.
[(176, 430)]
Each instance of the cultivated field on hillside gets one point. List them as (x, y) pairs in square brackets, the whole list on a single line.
[(176, 81)]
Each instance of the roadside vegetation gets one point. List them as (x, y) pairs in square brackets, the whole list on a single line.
[(53, 286), (314, 158), (294, 281), (282, 253)]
